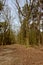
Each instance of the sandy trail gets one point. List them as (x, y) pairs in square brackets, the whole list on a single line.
[(20, 55)]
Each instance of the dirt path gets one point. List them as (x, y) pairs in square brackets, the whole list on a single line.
[(20, 55)]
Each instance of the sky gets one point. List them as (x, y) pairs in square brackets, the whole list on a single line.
[(15, 22), (14, 13)]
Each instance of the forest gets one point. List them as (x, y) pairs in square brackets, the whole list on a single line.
[(21, 32), (31, 23)]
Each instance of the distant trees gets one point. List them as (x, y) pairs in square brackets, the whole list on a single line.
[(6, 37), (24, 29), (29, 18), (34, 35), (6, 34), (30, 32), (1, 5), (36, 17)]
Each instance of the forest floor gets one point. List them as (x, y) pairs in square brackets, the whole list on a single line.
[(20, 55)]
